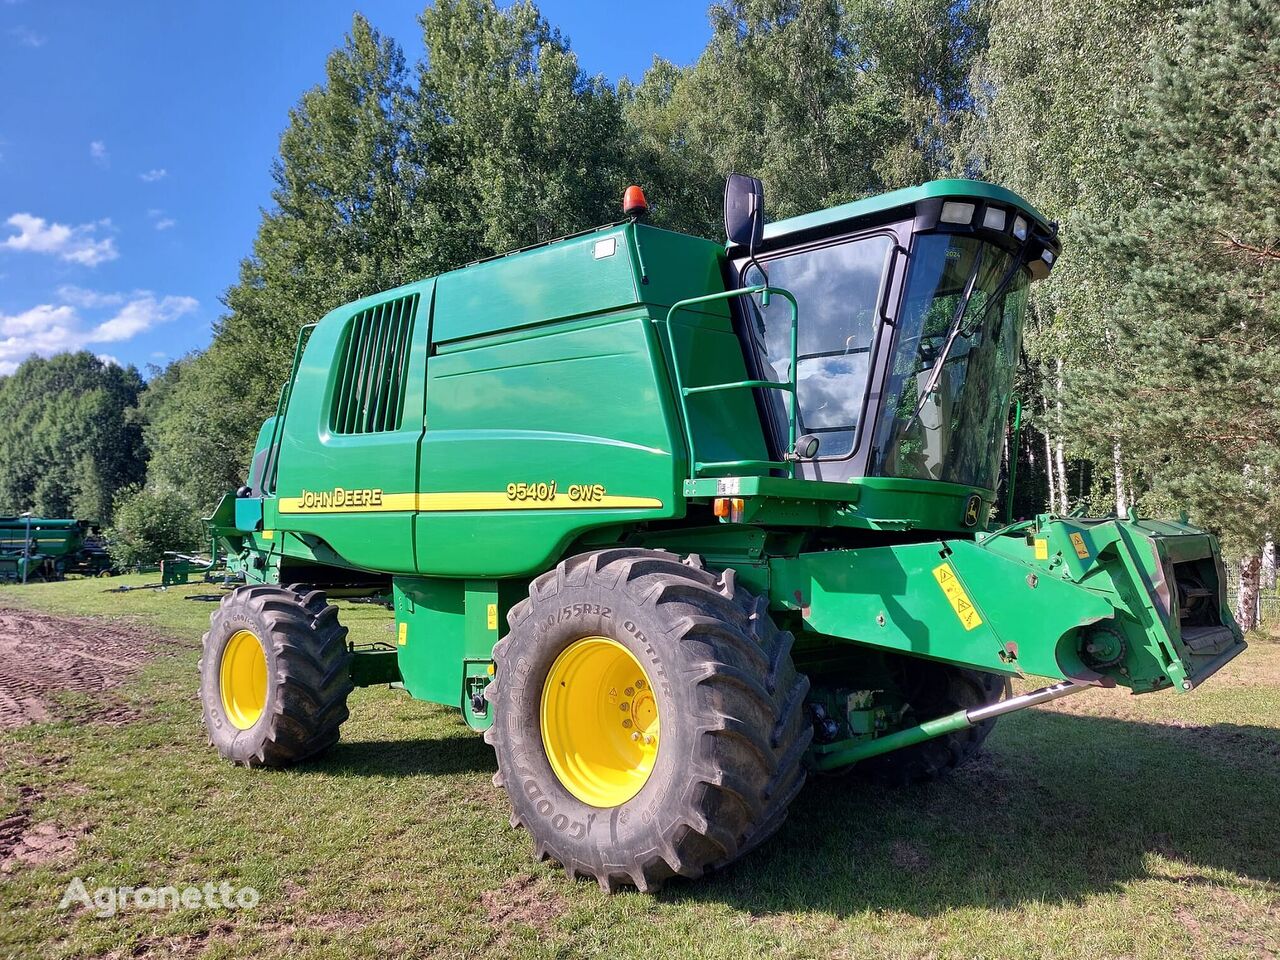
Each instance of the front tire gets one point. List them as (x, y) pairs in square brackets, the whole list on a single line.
[(274, 675), (714, 688)]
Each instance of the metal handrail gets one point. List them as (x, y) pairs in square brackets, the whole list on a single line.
[(683, 392)]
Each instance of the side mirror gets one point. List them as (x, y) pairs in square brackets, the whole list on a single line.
[(744, 210)]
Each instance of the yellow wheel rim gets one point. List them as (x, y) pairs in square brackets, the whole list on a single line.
[(243, 679), (599, 722)]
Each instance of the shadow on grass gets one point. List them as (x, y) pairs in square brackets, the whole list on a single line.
[(465, 753), (1059, 808), (1062, 807)]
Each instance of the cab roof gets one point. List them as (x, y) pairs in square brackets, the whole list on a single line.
[(875, 207)]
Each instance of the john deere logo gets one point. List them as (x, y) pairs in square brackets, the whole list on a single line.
[(972, 509)]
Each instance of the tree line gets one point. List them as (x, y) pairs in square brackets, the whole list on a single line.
[(1147, 129)]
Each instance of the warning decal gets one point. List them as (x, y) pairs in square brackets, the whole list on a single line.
[(956, 596), (1082, 551)]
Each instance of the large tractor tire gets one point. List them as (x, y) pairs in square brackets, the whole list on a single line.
[(648, 720), (933, 690), (274, 675)]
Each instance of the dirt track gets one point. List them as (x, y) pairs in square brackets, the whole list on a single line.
[(41, 656)]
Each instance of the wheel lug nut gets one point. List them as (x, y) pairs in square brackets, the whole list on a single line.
[(635, 736)]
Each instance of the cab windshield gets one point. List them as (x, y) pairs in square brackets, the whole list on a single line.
[(950, 376)]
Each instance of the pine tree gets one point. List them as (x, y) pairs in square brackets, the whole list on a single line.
[(1194, 391), (1053, 88)]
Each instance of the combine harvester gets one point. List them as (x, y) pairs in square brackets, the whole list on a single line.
[(674, 522), (35, 548)]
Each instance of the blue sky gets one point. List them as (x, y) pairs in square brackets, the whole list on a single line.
[(136, 141)]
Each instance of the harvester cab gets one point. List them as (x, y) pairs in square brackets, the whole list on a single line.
[(673, 522), (929, 402)]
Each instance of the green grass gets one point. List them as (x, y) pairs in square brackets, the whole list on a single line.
[(1108, 827)]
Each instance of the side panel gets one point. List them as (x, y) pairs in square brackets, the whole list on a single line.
[(354, 491), (445, 632), (534, 437), (572, 277), (949, 601)]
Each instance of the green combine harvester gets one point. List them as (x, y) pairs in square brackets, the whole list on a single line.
[(39, 548), (675, 523)]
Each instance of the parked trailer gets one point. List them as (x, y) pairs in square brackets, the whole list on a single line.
[(40, 548)]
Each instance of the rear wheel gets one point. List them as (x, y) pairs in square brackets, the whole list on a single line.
[(648, 720), (274, 675)]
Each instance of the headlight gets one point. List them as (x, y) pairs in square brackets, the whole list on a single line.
[(953, 211)]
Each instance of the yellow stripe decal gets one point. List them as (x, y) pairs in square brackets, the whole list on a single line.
[(956, 596), (502, 501), (365, 501)]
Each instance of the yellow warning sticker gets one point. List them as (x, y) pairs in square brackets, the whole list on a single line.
[(404, 634), (1042, 549), (493, 616), (956, 596), (1082, 551)]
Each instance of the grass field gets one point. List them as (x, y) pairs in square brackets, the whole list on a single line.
[(1108, 826)]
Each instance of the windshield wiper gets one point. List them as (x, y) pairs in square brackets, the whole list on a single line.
[(956, 328), (953, 331)]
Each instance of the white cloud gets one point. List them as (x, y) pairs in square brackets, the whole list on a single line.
[(166, 223), (151, 176), (80, 297), (27, 37), (98, 152), (43, 330), (73, 244), (139, 315), (48, 329)]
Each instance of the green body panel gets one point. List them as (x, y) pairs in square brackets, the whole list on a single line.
[(1007, 606), (867, 503), (446, 630), (579, 409), (313, 457), (540, 417)]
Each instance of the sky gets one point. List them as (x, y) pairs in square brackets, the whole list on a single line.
[(136, 142)]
